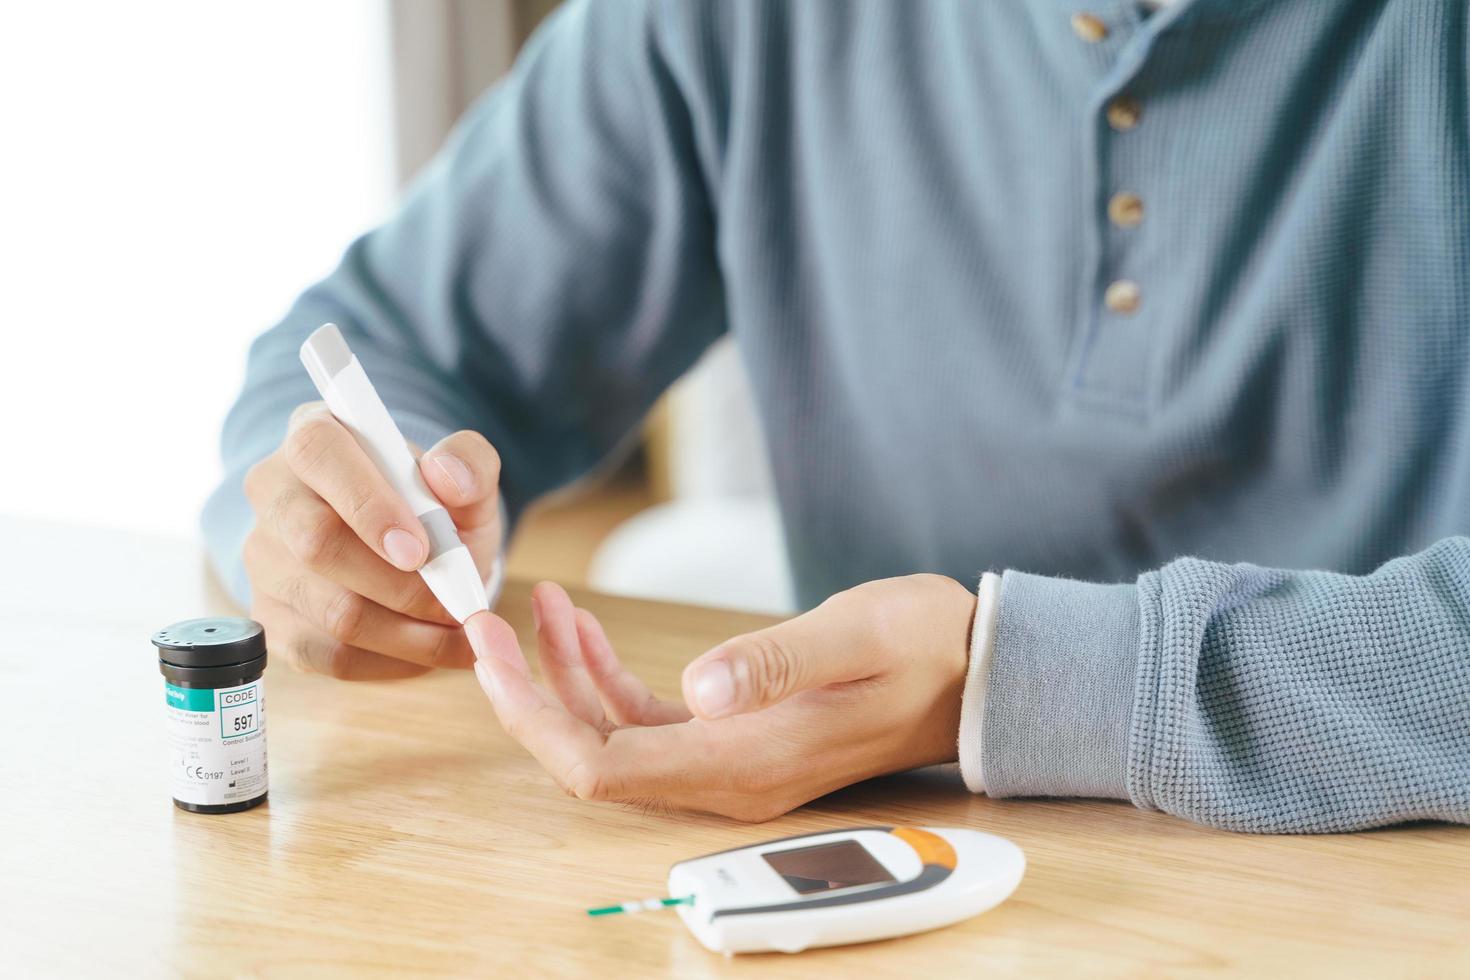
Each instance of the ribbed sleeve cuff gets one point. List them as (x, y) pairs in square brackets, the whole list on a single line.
[(1059, 696)]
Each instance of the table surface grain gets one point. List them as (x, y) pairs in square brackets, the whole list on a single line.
[(406, 834)]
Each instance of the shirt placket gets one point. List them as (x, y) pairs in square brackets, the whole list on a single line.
[(1111, 359)]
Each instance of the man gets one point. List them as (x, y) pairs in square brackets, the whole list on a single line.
[(1175, 301)]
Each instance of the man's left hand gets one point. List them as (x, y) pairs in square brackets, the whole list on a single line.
[(867, 683)]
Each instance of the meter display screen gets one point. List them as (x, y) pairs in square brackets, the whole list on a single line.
[(827, 867)]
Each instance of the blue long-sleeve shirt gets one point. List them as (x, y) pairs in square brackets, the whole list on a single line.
[(970, 352)]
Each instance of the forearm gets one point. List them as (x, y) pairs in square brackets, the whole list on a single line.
[(1246, 698)]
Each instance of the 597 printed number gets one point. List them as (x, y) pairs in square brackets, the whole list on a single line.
[(240, 721)]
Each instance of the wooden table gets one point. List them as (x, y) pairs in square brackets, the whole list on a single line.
[(405, 833)]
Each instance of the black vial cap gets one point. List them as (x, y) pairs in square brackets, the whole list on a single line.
[(214, 641)]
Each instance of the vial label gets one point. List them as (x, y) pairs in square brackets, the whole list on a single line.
[(217, 741)]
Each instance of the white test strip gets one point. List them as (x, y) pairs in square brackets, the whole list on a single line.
[(450, 570)]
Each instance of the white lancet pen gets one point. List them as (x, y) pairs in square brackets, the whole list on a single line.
[(449, 570)]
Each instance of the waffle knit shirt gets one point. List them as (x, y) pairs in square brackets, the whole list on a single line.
[(1163, 315)]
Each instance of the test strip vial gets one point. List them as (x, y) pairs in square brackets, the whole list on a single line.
[(212, 670)]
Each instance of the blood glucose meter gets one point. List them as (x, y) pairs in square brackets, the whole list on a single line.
[(842, 886)]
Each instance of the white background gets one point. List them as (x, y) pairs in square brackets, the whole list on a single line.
[(172, 174)]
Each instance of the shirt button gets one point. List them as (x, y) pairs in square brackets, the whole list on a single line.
[(1122, 296), (1089, 27), (1125, 209), (1124, 113)]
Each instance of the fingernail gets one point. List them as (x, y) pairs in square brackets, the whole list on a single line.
[(487, 680), (459, 474), (404, 550), (536, 612), (714, 689)]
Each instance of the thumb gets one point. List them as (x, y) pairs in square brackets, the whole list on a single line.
[(463, 471), (757, 670)]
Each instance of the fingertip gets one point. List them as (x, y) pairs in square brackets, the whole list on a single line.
[(717, 652), (588, 628), (448, 476), (709, 687), (307, 410), (586, 622), (463, 470), (553, 612), (492, 639), (594, 641), (551, 594), (404, 549)]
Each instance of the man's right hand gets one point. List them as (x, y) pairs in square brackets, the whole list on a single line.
[(332, 558)]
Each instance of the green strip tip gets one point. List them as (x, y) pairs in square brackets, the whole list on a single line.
[(646, 905)]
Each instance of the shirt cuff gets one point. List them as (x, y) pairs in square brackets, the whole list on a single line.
[(972, 704), (1058, 697)]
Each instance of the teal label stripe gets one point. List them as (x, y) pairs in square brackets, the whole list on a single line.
[(189, 698)]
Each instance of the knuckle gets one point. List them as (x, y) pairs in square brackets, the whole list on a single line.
[(414, 599), (883, 628), (319, 543), (294, 593), (446, 649), (309, 442), (345, 615), (772, 670), (255, 480), (292, 648), (278, 510), (359, 502), (335, 660), (928, 584), (886, 613)]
